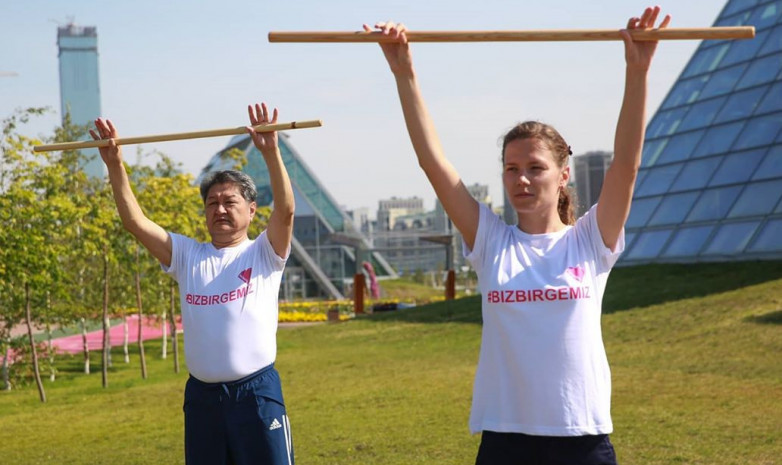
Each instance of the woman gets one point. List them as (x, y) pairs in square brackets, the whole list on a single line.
[(542, 387)]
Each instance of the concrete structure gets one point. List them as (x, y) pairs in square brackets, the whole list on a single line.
[(389, 210), (79, 84)]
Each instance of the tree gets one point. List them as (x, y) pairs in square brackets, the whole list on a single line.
[(37, 221)]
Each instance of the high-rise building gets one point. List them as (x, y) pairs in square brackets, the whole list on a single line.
[(710, 183), (79, 85), (589, 169)]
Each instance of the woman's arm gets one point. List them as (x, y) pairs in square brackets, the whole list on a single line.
[(460, 206), (616, 195)]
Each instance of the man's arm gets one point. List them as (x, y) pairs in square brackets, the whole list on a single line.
[(280, 228), (149, 233)]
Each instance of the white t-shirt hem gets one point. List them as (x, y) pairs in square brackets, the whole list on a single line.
[(542, 430)]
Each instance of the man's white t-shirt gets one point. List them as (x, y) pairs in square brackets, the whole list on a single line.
[(542, 368), (229, 305)]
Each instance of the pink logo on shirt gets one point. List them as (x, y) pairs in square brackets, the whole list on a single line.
[(576, 272), (246, 274)]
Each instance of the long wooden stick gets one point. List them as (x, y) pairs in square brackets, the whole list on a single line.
[(178, 136), (733, 32)]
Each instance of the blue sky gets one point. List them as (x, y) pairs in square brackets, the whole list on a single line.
[(174, 66)]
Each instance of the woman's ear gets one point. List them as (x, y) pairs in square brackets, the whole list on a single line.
[(565, 177)]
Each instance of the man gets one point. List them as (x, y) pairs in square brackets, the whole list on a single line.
[(234, 410)]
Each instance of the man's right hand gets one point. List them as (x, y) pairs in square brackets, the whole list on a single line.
[(111, 154)]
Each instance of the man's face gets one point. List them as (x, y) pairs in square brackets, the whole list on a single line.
[(228, 214)]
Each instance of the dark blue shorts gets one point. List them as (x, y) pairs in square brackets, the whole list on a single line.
[(518, 449), (241, 422)]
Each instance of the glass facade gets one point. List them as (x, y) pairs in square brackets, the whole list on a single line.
[(320, 265), (710, 182), (79, 85)]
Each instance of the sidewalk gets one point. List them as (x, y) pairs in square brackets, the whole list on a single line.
[(151, 329)]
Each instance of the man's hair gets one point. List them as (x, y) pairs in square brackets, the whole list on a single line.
[(244, 182)]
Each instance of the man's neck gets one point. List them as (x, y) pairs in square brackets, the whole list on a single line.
[(223, 242)]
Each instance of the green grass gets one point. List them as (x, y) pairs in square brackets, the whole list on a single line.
[(407, 291), (695, 351)]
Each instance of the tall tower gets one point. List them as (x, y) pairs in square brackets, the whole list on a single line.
[(79, 86)]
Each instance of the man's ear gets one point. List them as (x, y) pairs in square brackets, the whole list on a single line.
[(253, 207)]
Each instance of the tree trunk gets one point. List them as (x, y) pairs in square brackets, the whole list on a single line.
[(6, 378), (174, 341), (140, 318), (125, 337), (34, 353), (85, 346), (106, 328), (52, 372), (52, 375), (164, 323)]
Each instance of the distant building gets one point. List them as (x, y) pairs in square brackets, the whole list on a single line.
[(389, 210), (710, 183), (361, 221), (480, 192), (405, 231), (79, 85), (589, 171)]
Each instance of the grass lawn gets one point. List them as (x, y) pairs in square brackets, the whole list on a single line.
[(695, 351)]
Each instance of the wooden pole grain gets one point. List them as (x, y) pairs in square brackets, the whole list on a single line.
[(721, 33), (178, 136)]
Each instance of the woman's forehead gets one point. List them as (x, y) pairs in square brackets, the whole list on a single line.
[(527, 149)]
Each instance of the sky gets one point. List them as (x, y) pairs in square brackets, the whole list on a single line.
[(177, 66)]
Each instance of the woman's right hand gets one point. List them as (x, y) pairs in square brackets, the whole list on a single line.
[(397, 53)]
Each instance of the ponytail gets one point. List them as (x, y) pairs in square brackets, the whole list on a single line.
[(565, 206)]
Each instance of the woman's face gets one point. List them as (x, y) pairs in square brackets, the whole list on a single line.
[(532, 177)]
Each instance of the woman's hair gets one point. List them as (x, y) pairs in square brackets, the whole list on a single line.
[(561, 151), (241, 180)]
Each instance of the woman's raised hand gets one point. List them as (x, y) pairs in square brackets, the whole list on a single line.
[(639, 54), (397, 53)]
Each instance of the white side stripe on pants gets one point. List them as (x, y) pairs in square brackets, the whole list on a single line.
[(286, 428)]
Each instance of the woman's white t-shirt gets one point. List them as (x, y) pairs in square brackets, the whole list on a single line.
[(542, 368)]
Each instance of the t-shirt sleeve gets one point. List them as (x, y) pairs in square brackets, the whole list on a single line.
[(268, 255), (588, 227), (488, 223), (180, 247)]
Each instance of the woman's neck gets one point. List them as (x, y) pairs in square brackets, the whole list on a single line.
[(531, 223)]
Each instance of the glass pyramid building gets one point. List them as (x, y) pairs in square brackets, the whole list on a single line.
[(322, 262), (710, 182)]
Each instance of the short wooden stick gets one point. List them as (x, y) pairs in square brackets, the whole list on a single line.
[(732, 32), (177, 136)]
